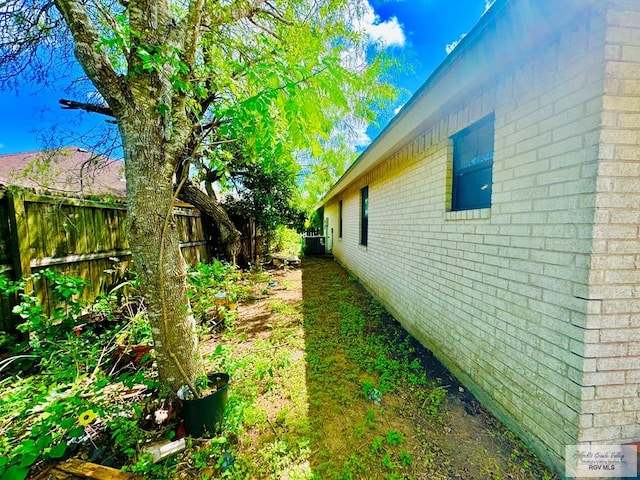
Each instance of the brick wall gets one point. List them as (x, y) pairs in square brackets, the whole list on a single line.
[(611, 406), (502, 295)]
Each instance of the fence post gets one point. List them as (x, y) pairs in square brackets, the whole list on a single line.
[(20, 248)]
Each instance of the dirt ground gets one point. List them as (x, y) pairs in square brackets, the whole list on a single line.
[(313, 412)]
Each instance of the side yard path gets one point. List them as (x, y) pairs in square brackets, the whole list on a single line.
[(326, 385)]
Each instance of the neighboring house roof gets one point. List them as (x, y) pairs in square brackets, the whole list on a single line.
[(66, 170)]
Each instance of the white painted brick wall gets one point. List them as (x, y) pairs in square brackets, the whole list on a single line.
[(615, 263), (533, 306)]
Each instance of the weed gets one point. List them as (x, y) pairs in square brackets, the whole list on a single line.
[(377, 309), (160, 471), (213, 286), (283, 309), (370, 392), (281, 456), (367, 424), (348, 472), (57, 408), (387, 462), (394, 438), (406, 459), (370, 419), (377, 445), (352, 322), (397, 476), (432, 399), (126, 433)]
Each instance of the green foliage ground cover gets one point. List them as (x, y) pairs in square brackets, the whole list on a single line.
[(62, 380), (325, 385), (328, 386)]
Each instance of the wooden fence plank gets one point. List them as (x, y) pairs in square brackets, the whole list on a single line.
[(80, 237), (5, 241), (33, 222), (79, 202), (82, 230), (49, 261), (121, 239), (20, 243), (100, 229), (71, 226), (7, 262), (90, 218)]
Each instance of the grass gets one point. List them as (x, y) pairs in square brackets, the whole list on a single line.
[(325, 385), (328, 386)]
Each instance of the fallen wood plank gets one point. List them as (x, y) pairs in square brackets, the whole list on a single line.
[(51, 473), (56, 474), (94, 471)]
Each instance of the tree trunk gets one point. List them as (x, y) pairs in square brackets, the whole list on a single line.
[(155, 126), (155, 248)]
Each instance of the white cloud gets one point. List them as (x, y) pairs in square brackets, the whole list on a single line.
[(397, 109), (358, 135), (353, 131), (487, 4), (388, 33), (450, 46)]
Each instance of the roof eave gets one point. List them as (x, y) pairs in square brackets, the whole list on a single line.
[(410, 117)]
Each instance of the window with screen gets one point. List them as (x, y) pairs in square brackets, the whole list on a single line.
[(473, 166), (340, 219), (364, 215)]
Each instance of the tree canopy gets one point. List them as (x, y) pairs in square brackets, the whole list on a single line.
[(198, 84), (251, 79)]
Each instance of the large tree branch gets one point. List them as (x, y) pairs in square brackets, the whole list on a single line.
[(94, 60), (192, 33), (229, 235), (87, 107), (273, 13), (264, 29), (233, 12)]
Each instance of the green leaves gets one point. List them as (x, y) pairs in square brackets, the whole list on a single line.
[(267, 192), (282, 90), (66, 292), (15, 472), (58, 450), (253, 86), (27, 454)]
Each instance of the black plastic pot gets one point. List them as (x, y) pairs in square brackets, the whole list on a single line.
[(204, 414)]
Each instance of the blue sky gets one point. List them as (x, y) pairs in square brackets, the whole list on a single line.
[(418, 31), (428, 26)]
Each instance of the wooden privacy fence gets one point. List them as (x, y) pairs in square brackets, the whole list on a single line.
[(76, 236)]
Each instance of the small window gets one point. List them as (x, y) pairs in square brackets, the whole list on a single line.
[(364, 215), (473, 166), (340, 219)]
